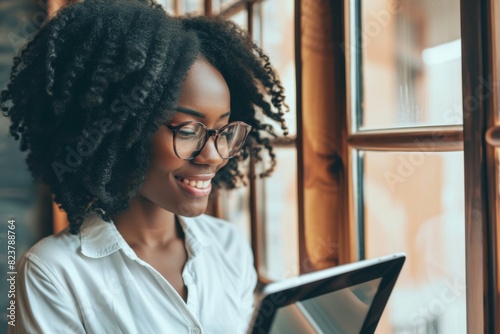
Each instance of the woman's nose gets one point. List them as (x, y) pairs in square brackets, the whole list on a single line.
[(209, 154)]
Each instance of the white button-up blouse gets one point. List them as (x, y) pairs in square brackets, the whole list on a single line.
[(95, 283)]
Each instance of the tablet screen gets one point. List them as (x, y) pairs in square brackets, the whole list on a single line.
[(342, 311), (345, 299)]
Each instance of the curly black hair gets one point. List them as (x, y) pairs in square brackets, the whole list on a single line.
[(93, 85)]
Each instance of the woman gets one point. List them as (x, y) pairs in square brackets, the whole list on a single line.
[(133, 118)]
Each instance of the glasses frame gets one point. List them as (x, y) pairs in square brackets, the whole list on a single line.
[(208, 133)]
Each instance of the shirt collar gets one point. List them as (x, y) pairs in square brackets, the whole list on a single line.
[(195, 239), (100, 238)]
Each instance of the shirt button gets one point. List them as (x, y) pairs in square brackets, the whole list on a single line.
[(195, 330)]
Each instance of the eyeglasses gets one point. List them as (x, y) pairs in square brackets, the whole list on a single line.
[(190, 138)]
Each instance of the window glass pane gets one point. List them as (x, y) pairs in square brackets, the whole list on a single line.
[(234, 204), (280, 239), (168, 5), (241, 19), (235, 208), (278, 43), (411, 63), (191, 7), (414, 203), (220, 5), (257, 24)]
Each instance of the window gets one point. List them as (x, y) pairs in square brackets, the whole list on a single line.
[(411, 200), (415, 170), (271, 204)]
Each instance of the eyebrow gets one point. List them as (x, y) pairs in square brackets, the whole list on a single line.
[(197, 113)]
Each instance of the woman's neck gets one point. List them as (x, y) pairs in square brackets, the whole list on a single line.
[(146, 225)]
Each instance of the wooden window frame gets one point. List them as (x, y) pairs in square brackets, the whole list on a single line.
[(481, 200), (481, 211)]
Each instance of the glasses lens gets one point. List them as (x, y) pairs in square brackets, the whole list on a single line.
[(189, 140), (231, 139)]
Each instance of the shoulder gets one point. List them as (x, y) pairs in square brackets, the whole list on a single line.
[(42, 268), (67, 254), (54, 249)]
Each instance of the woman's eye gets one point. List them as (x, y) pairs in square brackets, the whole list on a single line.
[(186, 133)]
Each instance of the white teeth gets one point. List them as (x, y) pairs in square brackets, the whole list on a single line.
[(197, 184)]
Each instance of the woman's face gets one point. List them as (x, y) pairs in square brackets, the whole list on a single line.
[(204, 97)]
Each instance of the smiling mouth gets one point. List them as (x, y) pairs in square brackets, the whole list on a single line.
[(194, 183)]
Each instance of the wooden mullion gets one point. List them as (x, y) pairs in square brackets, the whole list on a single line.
[(492, 165), (177, 7), (426, 139), (299, 137), (255, 223), (475, 65), (208, 7), (250, 19), (322, 147), (234, 8)]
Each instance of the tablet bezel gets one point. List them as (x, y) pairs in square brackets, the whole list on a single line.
[(317, 283)]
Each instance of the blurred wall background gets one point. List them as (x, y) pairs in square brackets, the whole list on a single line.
[(20, 198)]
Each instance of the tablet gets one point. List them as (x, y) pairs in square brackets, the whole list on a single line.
[(347, 299)]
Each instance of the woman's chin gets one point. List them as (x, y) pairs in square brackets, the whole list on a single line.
[(191, 210)]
